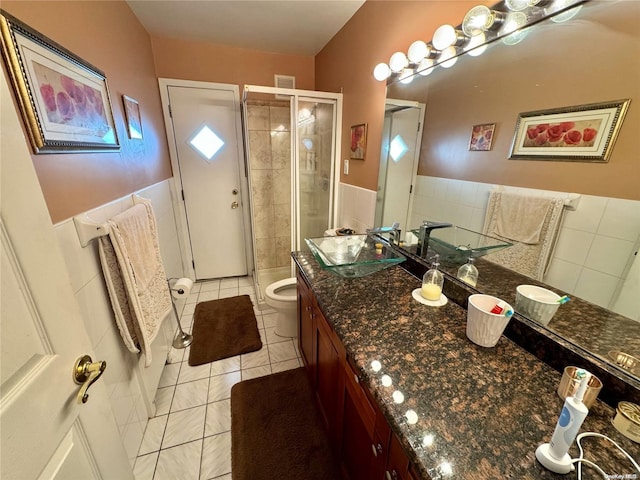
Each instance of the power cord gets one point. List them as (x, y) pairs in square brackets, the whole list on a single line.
[(580, 460)]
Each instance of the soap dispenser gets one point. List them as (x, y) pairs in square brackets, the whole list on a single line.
[(432, 282), (468, 273)]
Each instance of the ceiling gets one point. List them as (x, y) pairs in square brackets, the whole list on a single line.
[(300, 27)]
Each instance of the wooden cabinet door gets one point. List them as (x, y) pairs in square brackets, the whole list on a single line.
[(397, 463), (357, 457), (306, 329), (327, 371)]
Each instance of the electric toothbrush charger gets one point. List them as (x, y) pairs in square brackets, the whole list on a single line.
[(549, 462)]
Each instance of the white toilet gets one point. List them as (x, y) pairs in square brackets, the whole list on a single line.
[(282, 297)]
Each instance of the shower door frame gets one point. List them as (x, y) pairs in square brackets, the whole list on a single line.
[(296, 96)]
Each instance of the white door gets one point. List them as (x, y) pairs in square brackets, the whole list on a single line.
[(45, 432), (402, 165), (206, 130)]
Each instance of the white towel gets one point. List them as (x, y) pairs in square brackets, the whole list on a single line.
[(521, 217), (531, 259), (133, 236)]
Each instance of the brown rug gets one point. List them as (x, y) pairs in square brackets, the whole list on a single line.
[(223, 328), (277, 432)]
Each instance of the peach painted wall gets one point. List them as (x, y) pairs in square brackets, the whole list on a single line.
[(107, 35), (373, 34), (193, 60)]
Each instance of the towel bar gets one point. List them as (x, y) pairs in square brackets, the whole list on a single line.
[(88, 228), (571, 200)]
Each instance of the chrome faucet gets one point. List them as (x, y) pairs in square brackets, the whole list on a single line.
[(393, 231), (425, 233)]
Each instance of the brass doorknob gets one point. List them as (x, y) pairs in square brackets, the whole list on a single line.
[(234, 205), (85, 373)]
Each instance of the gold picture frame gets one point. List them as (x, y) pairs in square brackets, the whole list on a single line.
[(64, 101), (358, 148), (579, 133)]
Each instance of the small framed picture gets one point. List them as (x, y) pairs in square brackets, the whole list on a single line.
[(132, 115), (482, 137), (358, 141)]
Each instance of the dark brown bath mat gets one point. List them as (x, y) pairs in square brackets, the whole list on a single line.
[(223, 328), (277, 432)]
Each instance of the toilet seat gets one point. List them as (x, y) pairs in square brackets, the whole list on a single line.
[(289, 295)]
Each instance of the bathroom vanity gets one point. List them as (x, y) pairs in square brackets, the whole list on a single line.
[(405, 395)]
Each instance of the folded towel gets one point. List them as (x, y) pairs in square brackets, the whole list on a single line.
[(531, 259), (133, 236), (520, 217)]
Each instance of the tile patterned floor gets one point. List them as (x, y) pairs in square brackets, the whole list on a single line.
[(190, 436)]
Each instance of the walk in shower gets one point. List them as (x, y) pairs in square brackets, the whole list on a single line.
[(292, 142)]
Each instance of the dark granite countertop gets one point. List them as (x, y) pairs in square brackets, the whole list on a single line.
[(467, 412)]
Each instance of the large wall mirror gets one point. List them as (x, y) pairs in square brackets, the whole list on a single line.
[(594, 57)]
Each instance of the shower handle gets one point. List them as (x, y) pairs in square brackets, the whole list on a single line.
[(85, 373)]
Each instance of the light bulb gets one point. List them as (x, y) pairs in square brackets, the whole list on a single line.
[(513, 22), (425, 67), (476, 45), (444, 36), (448, 57), (398, 61), (516, 5), (478, 20), (381, 72), (417, 51), (406, 76)]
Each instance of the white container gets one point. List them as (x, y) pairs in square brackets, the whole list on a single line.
[(536, 303), (483, 327)]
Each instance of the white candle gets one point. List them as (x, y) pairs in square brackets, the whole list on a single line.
[(431, 291)]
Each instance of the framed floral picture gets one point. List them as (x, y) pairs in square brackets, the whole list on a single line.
[(132, 116), (579, 133), (482, 137), (64, 101), (358, 141)]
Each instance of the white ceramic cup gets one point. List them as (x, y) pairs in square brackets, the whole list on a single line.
[(483, 327), (536, 303)]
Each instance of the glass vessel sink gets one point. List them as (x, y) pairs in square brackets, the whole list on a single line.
[(352, 255), (456, 245)]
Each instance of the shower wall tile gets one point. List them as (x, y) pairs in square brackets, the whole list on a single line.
[(260, 150), (281, 186), (280, 117), (281, 150), (266, 252), (262, 187), (258, 117), (282, 217), (283, 251), (263, 219)]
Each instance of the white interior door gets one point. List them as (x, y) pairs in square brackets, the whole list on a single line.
[(402, 165), (45, 432), (206, 132)]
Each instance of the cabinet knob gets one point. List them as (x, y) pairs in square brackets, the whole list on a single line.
[(376, 449), (391, 476)]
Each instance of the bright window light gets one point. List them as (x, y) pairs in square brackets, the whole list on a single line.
[(397, 148), (206, 142)]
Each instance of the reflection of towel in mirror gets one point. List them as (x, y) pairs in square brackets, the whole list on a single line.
[(135, 277), (533, 239), (520, 217)]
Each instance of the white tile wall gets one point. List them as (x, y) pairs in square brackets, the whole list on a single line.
[(357, 207), (596, 243), (126, 380)]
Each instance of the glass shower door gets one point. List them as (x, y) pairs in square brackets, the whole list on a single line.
[(316, 136)]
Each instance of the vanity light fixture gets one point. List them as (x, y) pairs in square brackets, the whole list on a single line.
[(448, 58), (447, 36), (508, 20), (398, 62), (477, 45), (480, 19)]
